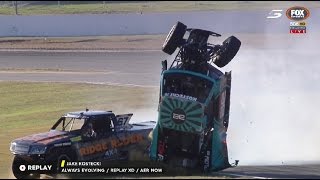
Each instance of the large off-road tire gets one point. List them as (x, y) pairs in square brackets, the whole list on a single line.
[(61, 157), (174, 38), (55, 156), (229, 49), (17, 162)]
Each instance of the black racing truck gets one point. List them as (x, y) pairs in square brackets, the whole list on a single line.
[(80, 136)]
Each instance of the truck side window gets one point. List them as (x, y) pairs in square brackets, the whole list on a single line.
[(88, 130)]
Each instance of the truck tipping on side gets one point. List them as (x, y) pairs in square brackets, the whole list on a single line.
[(194, 101)]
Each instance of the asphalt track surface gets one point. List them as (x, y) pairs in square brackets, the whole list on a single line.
[(143, 69), (140, 68)]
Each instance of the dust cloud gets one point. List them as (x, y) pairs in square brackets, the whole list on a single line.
[(275, 101)]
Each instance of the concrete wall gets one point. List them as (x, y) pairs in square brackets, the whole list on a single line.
[(150, 23)]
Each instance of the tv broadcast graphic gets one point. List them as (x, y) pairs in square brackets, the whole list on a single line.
[(159, 89)]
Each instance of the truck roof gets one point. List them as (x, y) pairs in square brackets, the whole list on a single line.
[(87, 113)]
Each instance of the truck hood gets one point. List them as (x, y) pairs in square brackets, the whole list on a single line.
[(45, 138)]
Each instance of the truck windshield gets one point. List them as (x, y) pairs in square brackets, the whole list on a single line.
[(70, 124), (186, 86)]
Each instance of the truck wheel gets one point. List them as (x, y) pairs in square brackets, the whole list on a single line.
[(56, 159), (174, 38), (229, 49), (61, 157), (17, 162)]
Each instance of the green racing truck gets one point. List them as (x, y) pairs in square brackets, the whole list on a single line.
[(194, 101)]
